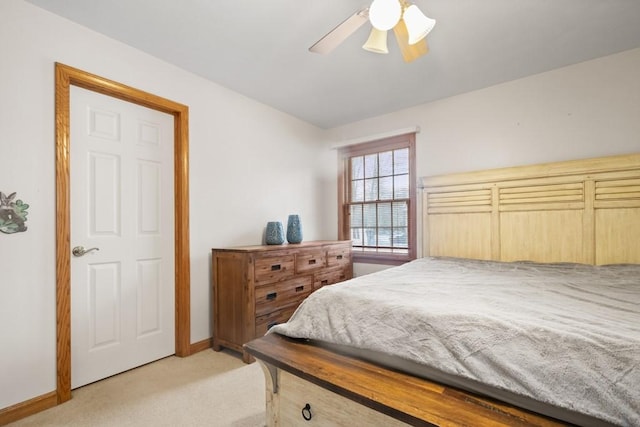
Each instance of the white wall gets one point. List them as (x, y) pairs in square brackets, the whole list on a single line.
[(249, 164), (585, 110)]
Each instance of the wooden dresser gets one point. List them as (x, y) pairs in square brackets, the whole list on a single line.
[(256, 287)]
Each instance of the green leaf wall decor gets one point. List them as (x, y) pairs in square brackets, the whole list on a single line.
[(13, 215)]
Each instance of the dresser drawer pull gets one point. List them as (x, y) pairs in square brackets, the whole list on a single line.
[(271, 325), (272, 296), (299, 288), (275, 267), (339, 257), (306, 412), (312, 261), (324, 282)]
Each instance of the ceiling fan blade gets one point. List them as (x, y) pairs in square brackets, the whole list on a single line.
[(410, 52), (336, 36)]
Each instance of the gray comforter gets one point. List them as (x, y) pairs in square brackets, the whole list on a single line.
[(563, 334)]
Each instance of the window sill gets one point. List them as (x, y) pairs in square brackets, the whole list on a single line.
[(386, 259)]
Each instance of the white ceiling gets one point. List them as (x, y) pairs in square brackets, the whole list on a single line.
[(259, 47)]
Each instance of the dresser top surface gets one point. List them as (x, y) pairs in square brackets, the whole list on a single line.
[(286, 246)]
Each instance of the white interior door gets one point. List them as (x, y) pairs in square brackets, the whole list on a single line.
[(122, 293)]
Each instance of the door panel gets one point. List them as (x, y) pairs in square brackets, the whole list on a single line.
[(104, 185), (149, 297), (122, 294), (104, 305)]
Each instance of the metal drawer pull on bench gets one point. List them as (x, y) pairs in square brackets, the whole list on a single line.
[(272, 295), (306, 412), (275, 267)]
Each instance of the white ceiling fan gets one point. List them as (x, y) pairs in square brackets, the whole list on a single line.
[(409, 25)]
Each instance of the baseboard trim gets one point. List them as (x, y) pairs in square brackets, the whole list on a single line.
[(200, 346), (28, 407), (49, 400)]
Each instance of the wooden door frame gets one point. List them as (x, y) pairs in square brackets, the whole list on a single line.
[(66, 76)]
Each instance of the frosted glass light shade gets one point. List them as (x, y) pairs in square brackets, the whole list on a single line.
[(418, 24), (377, 41), (385, 14)]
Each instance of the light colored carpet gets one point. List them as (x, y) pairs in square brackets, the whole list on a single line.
[(206, 389)]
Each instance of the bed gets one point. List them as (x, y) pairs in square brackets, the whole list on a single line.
[(546, 259)]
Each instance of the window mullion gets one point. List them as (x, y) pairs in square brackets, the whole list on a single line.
[(389, 235)]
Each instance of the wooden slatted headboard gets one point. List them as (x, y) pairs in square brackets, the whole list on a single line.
[(585, 211)]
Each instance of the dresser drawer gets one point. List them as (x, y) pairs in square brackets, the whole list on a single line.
[(338, 257), (257, 286), (310, 261), (273, 268), (274, 296), (265, 322), (329, 277)]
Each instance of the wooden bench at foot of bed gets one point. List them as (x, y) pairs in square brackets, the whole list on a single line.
[(342, 390)]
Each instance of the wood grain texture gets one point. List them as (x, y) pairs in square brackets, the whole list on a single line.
[(63, 245), (402, 397), (199, 346), (66, 76), (470, 238), (324, 407), (255, 287), (618, 234), (31, 406), (584, 211)]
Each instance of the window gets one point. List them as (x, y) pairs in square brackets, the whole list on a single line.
[(378, 199)]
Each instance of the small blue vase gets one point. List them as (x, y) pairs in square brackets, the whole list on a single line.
[(294, 229), (275, 233)]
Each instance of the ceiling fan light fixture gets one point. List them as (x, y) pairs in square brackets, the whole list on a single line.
[(418, 24), (385, 14), (377, 41)]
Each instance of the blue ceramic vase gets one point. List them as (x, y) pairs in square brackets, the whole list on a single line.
[(294, 229), (275, 233)]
